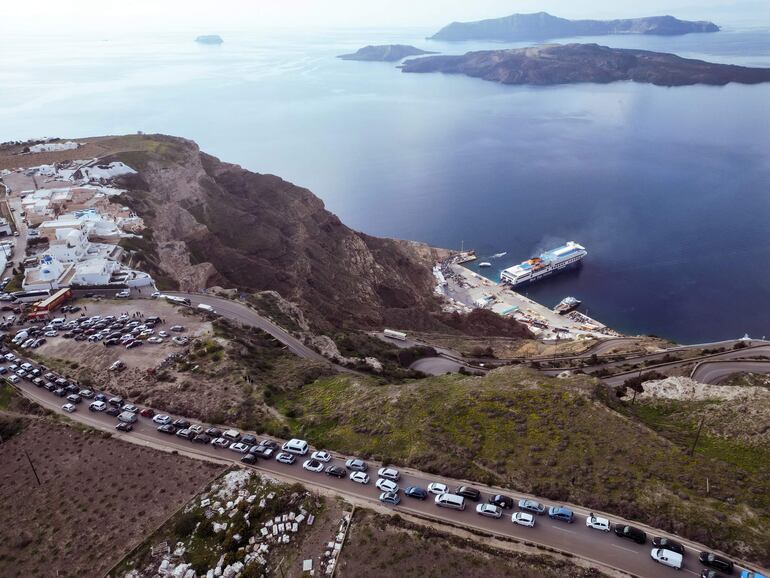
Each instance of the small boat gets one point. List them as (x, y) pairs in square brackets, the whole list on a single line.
[(498, 255), (485, 264), (566, 305)]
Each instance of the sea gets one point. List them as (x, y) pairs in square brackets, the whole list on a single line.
[(667, 188)]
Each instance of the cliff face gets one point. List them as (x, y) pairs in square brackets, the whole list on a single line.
[(573, 63), (543, 26), (214, 223)]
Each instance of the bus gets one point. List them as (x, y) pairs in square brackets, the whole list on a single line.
[(178, 300), (394, 334), (31, 296)]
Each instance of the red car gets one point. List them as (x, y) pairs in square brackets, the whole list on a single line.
[(147, 412)]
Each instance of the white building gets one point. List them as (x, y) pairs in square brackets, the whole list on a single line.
[(69, 245), (97, 271)]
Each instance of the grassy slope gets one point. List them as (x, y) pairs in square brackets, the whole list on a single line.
[(549, 437)]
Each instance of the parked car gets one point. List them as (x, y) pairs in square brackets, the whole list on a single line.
[(532, 506), (468, 492), (166, 429), (386, 485), (668, 544), (74, 398), (262, 451), (87, 393), (749, 574), (489, 510), (185, 433), (416, 492), (597, 523), (667, 557), (147, 412), (249, 459), (437, 488), (285, 458), (97, 406), (389, 474), (523, 519), (220, 442), (356, 465), (125, 294), (202, 439), (390, 498), (162, 419), (124, 427), (239, 447), (359, 477), (214, 432), (718, 562), (131, 407), (336, 471), (296, 446), (69, 407), (561, 513), (249, 439), (181, 423), (504, 502), (631, 533), (312, 465), (116, 401), (321, 456), (113, 411)]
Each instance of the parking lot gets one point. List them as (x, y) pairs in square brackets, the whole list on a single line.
[(88, 336)]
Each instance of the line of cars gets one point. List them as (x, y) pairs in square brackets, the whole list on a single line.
[(665, 551)]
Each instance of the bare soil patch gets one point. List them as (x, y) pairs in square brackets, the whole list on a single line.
[(97, 497), (390, 546)]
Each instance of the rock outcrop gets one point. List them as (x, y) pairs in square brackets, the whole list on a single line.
[(543, 26), (385, 53), (574, 63)]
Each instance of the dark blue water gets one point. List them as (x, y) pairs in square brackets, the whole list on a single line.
[(669, 189)]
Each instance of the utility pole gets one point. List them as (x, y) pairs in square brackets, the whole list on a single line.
[(31, 465), (697, 435)]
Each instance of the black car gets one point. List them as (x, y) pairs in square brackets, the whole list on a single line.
[(113, 411), (50, 386), (249, 439), (214, 432), (111, 342), (269, 444), (468, 492), (502, 501), (262, 451), (181, 423), (72, 388), (100, 397), (124, 427), (668, 544), (61, 392), (74, 398), (202, 439), (249, 459), (713, 561), (167, 429), (709, 573), (631, 533), (336, 471)]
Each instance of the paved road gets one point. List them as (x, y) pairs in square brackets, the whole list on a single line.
[(237, 311), (600, 548), (715, 372), (732, 355)]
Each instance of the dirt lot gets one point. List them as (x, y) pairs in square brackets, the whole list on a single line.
[(99, 357), (389, 546), (97, 498)]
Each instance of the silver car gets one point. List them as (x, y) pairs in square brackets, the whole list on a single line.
[(532, 506)]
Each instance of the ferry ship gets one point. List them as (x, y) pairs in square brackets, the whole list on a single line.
[(559, 259)]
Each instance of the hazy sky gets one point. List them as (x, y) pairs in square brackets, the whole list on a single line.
[(219, 15)]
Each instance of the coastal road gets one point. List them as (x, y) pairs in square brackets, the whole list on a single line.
[(600, 548), (715, 372), (236, 311)]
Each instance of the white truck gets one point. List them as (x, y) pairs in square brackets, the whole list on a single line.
[(206, 308)]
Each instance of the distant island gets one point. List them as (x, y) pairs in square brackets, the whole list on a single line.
[(542, 26), (573, 63), (385, 53), (209, 39)]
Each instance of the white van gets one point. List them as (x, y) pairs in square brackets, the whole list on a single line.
[(452, 501), (58, 322), (206, 308), (127, 417), (232, 434), (667, 558), (20, 337), (296, 446)]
